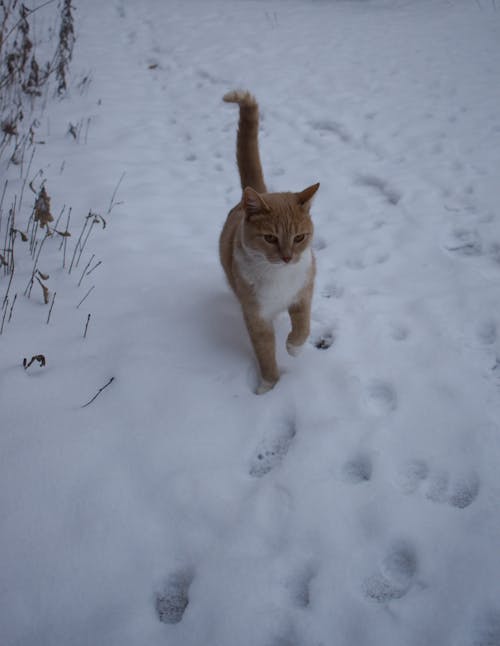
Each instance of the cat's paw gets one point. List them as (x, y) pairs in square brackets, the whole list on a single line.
[(265, 386), (293, 349)]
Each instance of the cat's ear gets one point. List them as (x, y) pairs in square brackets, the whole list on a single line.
[(254, 203), (304, 198)]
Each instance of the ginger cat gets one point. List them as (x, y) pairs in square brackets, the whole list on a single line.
[(265, 250)]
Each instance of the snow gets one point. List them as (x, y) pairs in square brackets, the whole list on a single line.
[(359, 501)]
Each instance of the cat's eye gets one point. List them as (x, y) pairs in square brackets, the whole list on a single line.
[(270, 239), (299, 238)]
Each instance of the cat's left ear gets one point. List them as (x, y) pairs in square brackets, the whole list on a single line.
[(305, 197), (254, 203)]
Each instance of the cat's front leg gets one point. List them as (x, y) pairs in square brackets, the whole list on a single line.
[(300, 316), (262, 337)]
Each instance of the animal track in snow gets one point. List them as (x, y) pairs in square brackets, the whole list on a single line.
[(400, 332), (358, 469), (464, 242), (287, 637), (382, 186), (356, 263), (464, 491), (381, 397), (273, 449), (487, 332), (412, 475), (324, 340), (332, 290), (300, 586), (486, 630), (394, 575), (437, 485), (172, 600), (332, 127), (494, 252)]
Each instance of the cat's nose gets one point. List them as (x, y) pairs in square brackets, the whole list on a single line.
[(286, 258)]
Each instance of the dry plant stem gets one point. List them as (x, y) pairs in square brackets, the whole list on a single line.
[(6, 297), (29, 227), (1, 202), (32, 182), (6, 238), (45, 291), (6, 305), (12, 307), (51, 306), (86, 327), (94, 267), (34, 231), (86, 267), (30, 11), (56, 225), (10, 236), (30, 284), (99, 392), (12, 242), (37, 357), (66, 239), (112, 202), (85, 241), (86, 295), (77, 245), (26, 177), (64, 252), (67, 229)]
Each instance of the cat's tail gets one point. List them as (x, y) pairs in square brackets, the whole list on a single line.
[(247, 142)]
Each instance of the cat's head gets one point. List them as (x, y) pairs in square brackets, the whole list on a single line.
[(278, 225)]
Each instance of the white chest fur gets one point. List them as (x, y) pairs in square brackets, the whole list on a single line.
[(276, 285)]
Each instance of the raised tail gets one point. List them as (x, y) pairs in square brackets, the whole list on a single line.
[(247, 142)]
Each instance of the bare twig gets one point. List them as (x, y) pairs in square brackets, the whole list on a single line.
[(6, 297), (29, 286), (86, 327), (6, 305), (86, 267), (1, 202), (12, 307), (93, 219), (45, 291), (112, 202), (37, 357), (26, 177), (99, 392), (93, 286), (94, 267), (51, 306), (78, 244), (30, 11), (66, 239), (59, 217)]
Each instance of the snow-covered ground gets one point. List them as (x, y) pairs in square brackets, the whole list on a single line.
[(356, 504)]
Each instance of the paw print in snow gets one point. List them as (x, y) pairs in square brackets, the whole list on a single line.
[(438, 485), (395, 574)]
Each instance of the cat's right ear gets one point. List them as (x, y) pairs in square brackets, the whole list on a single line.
[(253, 203), (305, 197)]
